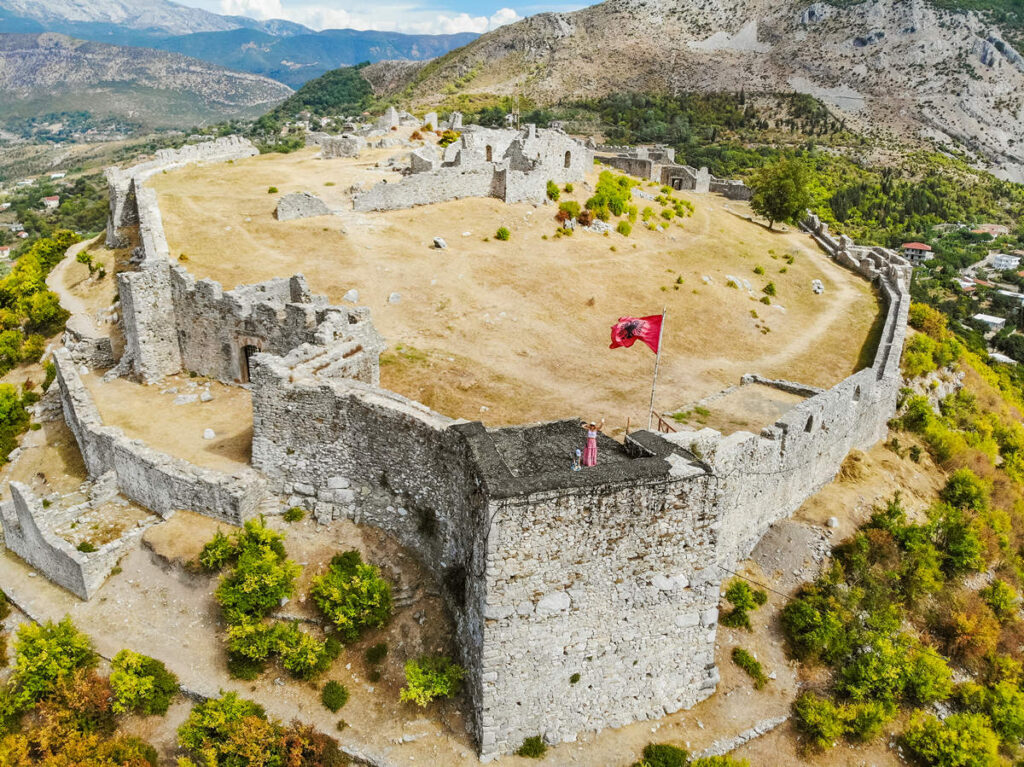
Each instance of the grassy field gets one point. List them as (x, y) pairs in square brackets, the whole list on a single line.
[(518, 331)]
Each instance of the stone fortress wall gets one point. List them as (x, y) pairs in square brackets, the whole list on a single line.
[(510, 165), (658, 163), (612, 573)]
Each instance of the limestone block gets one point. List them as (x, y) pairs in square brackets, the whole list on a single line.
[(554, 603), (300, 205)]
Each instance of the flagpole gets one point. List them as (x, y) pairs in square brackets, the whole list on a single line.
[(657, 364)]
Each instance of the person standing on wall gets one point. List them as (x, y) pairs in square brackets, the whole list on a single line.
[(590, 453)]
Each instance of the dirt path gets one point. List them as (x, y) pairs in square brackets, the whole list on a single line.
[(57, 281)]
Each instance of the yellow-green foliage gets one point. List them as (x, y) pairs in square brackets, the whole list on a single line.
[(352, 595), (141, 684), (430, 677), (612, 195)]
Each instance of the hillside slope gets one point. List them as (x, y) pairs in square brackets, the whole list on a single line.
[(907, 66), (53, 73), (150, 15)]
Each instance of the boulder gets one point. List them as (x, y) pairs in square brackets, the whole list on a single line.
[(300, 205)]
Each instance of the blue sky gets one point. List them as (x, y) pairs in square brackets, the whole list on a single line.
[(425, 16)]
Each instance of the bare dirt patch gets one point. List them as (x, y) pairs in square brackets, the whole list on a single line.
[(49, 461), (511, 332), (748, 408), (148, 413)]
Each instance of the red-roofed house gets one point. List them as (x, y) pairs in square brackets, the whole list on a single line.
[(51, 202), (917, 252), (5, 251)]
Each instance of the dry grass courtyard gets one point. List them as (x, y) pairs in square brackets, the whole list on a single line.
[(518, 331)]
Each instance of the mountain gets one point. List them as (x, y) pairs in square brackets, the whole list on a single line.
[(283, 50), (51, 73), (298, 58), (937, 69)]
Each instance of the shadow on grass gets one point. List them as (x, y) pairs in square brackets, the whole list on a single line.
[(870, 346)]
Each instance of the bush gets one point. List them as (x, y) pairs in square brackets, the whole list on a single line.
[(929, 679), (45, 654), (217, 552), (352, 595), (719, 761), (334, 696), (302, 654), (141, 684), (864, 721), (86, 547), (448, 138), (1001, 597), (553, 191), (819, 719), (961, 740), (568, 189), (624, 228), (503, 234), (430, 677), (751, 665), (665, 755), (244, 668), (570, 208), (965, 490), (5, 606), (272, 190), (612, 195), (743, 599), (533, 747), (376, 654), (759, 269), (769, 289), (294, 514), (260, 580)]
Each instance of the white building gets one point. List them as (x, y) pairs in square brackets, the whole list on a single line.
[(51, 202), (917, 252), (5, 252), (1002, 262), (993, 323), (57, 176)]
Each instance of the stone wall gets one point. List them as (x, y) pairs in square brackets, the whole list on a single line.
[(152, 479), (26, 534)]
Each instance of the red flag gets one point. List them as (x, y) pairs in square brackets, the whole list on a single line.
[(630, 329)]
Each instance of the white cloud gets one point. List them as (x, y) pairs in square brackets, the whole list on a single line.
[(392, 17)]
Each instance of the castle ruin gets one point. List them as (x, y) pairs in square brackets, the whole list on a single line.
[(612, 573)]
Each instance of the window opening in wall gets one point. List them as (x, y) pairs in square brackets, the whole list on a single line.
[(810, 424), (489, 154), (568, 159)]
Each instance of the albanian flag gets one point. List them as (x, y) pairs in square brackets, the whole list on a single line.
[(628, 330)]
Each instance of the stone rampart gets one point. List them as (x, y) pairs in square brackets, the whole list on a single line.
[(27, 534), (152, 479)]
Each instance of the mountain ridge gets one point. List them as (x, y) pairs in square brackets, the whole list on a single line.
[(51, 73)]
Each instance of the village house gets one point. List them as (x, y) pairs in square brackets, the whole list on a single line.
[(917, 252), (51, 202), (993, 323), (57, 176), (1002, 261), (992, 230), (5, 252)]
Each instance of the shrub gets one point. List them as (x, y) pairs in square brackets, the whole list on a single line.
[(965, 490), (45, 654), (569, 209), (575, 678), (376, 654), (294, 514), (719, 761), (272, 190), (302, 654), (665, 755), (568, 189), (260, 580), (585, 218), (624, 228), (612, 195), (252, 639), (430, 677), (819, 719), (448, 138), (929, 678), (5, 606), (864, 721), (86, 547), (766, 301), (352, 595), (49, 374), (334, 696), (503, 234), (769, 289), (751, 665), (960, 740), (553, 191), (1001, 597), (743, 599), (878, 671), (533, 747), (217, 552), (416, 136), (141, 684), (246, 669), (759, 269)]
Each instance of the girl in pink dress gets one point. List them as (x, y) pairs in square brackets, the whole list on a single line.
[(590, 453)]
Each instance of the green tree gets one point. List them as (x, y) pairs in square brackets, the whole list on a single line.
[(781, 191)]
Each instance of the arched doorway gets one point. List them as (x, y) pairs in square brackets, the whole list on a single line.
[(568, 159)]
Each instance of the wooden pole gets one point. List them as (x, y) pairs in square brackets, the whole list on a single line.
[(657, 364)]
